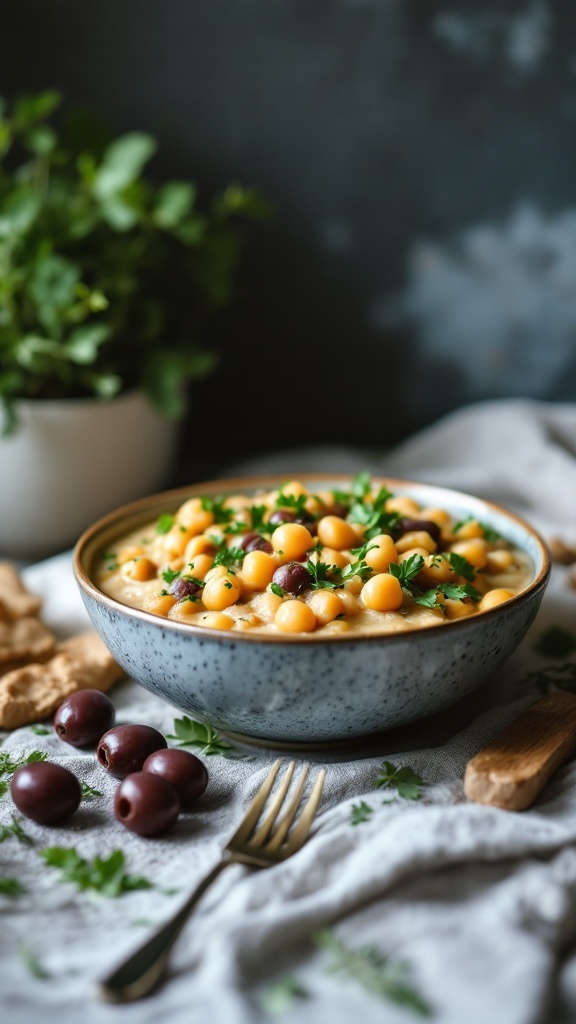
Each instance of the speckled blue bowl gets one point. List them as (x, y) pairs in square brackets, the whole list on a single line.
[(293, 690)]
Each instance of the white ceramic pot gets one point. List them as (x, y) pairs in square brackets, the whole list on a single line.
[(71, 461)]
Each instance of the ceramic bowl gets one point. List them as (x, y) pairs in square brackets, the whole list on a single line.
[(295, 690)]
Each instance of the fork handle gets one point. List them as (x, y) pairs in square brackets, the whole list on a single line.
[(141, 972)]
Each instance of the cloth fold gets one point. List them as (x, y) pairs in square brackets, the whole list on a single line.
[(478, 903)]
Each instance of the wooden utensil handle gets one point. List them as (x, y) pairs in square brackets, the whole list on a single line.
[(513, 769)]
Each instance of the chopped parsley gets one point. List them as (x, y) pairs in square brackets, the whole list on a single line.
[(404, 780), (406, 571), (361, 812), (202, 735), (88, 792), (376, 972), (164, 523), (228, 557), (277, 590), (216, 507), (11, 887), (330, 577), (104, 875), (14, 830), (489, 532), (296, 503), (169, 575), (9, 765), (461, 565)]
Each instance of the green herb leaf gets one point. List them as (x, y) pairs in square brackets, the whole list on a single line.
[(457, 593), (202, 735), (169, 575), (377, 973), (88, 792), (40, 730), (406, 571), (11, 887), (361, 812), (15, 830), (280, 995), (165, 522), (228, 556), (461, 565), (103, 875), (404, 780), (33, 964), (276, 589)]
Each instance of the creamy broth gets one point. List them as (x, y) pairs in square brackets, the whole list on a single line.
[(295, 562)]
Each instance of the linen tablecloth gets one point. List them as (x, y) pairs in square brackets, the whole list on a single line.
[(475, 907)]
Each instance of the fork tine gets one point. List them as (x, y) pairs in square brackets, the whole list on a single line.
[(253, 813), (265, 828), (284, 824), (307, 816)]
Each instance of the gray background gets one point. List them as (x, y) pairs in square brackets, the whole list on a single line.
[(421, 157)]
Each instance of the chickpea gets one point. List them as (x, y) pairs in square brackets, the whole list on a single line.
[(129, 554), (413, 551), (220, 591), (194, 517), (404, 507), (174, 542), (499, 561), (383, 551), (354, 585), (258, 568), (440, 516), (246, 622), (458, 609), (351, 603), (382, 593), (469, 530), (337, 626), (294, 489), (294, 616), (185, 610), (326, 605), (416, 538), (331, 556), (495, 597), (266, 605), (201, 565), (475, 551), (200, 545), (291, 541), (140, 569), (335, 532), (215, 620), (158, 604), (436, 570)]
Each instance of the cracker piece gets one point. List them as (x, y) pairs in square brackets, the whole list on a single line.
[(15, 600), (25, 639), (89, 661), (31, 693), (35, 691)]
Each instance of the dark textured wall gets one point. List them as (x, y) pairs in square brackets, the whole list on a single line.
[(422, 160)]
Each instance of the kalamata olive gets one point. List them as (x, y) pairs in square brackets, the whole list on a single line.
[(338, 509), (84, 717), (181, 587), (281, 515), (255, 542), (146, 804), (292, 577), (182, 769), (407, 525), (124, 748), (45, 792)]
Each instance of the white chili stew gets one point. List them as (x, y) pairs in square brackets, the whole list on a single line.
[(289, 561)]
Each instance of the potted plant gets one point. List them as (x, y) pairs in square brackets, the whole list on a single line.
[(107, 281)]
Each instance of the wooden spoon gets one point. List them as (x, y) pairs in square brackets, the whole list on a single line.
[(514, 768)]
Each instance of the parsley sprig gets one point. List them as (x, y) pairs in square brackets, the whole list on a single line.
[(324, 576), (360, 813), (404, 780), (105, 875), (202, 735), (216, 506), (372, 514), (11, 887), (16, 831), (407, 571), (376, 972)]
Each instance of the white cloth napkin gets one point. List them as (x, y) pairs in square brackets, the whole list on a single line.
[(479, 903)]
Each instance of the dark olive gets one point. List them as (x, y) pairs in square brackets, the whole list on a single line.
[(181, 587), (338, 509), (183, 770), (124, 748), (281, 515), (292, 577), (310, 524), (407, 525), (45, 792), (84, 717), (255, 542), (146, 804)]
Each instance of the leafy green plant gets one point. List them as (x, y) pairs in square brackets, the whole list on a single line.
[(107, 279)]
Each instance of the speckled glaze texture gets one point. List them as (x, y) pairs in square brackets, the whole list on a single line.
[(311, 690)]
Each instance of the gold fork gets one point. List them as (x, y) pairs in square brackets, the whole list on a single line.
[(258, 844)]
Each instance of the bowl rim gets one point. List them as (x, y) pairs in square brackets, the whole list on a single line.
[(268, 481)]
